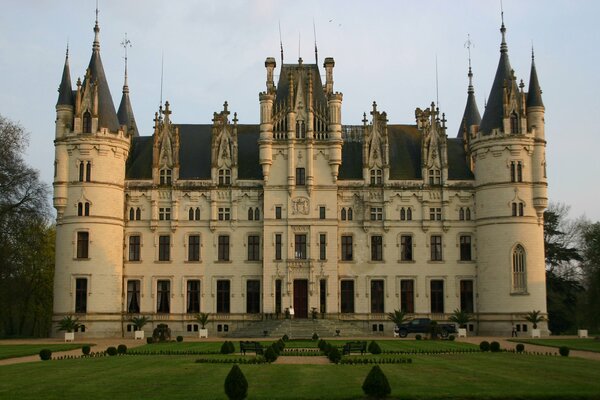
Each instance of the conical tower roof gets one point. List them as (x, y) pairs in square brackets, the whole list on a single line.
[(125, 113), (471, 115), (534, 95), (65, 90)]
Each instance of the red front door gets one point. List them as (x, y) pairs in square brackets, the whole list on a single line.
[(301, 298)]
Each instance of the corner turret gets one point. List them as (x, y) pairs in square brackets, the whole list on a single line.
[(65, 102)]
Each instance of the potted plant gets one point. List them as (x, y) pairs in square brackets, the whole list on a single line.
[(534, 317), (461, 318), (203, 319), (398, 317), (139, 323), (69, 324)]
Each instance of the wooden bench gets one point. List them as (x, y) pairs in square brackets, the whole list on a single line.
[(254, 347), (355, 347)]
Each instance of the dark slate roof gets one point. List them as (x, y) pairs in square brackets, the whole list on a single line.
[(194, 151), (125, 113), (458, 168), (492, 116), (297, 70), (65, 90), (139, 163), (405, 151), (248, 161), (534, 95), (352, 162), (471, 115)]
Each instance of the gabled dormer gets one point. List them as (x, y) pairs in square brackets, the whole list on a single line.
[(165, 154), (224, 145), (434, 146), (376, 148)]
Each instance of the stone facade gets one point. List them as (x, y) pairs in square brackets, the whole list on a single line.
[(299, 211)]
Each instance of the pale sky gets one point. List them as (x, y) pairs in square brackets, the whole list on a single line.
[(384, 51)]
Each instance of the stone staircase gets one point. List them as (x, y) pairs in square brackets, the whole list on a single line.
[(300, 329)]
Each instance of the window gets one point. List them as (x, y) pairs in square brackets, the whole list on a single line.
[(253, 296), (134, 248), (466, 296), (346, 248), (223, 250), (376, 248), (436, 248), (223, 296), (131, 214), (468, 214), (79, 209), (514, 209), (278, 212), (323, 296), (87, 122), (376, 177), (435, 177), (409, 214), (253, 248), (138, 214), (163, 296), (465, 248), (81, 295), (437, 296), (300, 177), (518, 269), (194, 248), (250, 214), (278, 246), (343, 214), (225, 176), (253, 214), (377, 296), (516, 171), (350, 216), (435, 214), (322, 246), (88, 172), (347, 296), (521, 209), (300, 130), (406, 248), (86, 209), (164, 213), (514, 123), (519, 172), (513, 172), (518, 209), (256, 214), (165, 176), (81, 171), (194, 214), (133, 296), (407, 295), (224, 213), (278, 296), (164, 248), (321, 212), (193, 297), (402, 214), (461, 214), (83, 240), (300, 247), (376, 213)]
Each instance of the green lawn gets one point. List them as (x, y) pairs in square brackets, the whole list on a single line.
[(22, 350), (573, 344), (477, 375)]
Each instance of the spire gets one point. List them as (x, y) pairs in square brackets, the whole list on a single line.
[(65, 90), (125, 113), (493, 114), (534, 95), (96, 45), (471, 115)]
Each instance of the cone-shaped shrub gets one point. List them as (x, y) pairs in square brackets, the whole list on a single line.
[(376, 384), (270, 354), (230, 348), (334, 355), (236, 385), (374, 348)]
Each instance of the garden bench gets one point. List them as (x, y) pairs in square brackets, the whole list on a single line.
[(355, 347), (252, 347)]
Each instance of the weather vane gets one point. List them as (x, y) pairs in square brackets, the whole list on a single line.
[(125, 44), (468, 45)]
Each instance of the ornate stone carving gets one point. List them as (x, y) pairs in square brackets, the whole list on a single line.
[(300, 205)]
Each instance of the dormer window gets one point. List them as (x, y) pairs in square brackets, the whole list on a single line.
[(435, 177), (224, 176), (376, 177), (165, 176), (87, 122), (514, 123), (300, 130)]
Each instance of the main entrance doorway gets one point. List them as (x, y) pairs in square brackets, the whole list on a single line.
[(301, 298)]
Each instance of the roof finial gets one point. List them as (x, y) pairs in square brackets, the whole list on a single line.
[(280, 43), (126, 43), (96, 45), (315, 34), (503, 46), (67, 53), (532, 53), (468, 45)]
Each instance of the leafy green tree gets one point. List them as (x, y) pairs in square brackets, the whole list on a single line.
[(461, 318), (398, 317), (591, 270)]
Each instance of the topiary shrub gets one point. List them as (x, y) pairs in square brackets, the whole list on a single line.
[(418, 337), (520, 347), (149, 340), (495, 347), (321, 344), (315, 336), (376, 384), (121, 349), (236, 385), (231, 347), (111, 351), (270, 354), (484, 346), (334, 355), (564, 351), (227, 347), (85, 350), (374, 348), (285, 338), (179, 339), (280, 345), (45, 354)]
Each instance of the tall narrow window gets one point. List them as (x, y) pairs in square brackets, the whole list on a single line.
[(300, 177), (253, 296), (461, 214), (402, 214), (465, 248), (322, 247), (131, 214), (321, 212), (278, 246), (376, 248), (468, 214), (86, 209), (81, 295), (346, 248), (343, 214), (163, 296), (514, 123), (250, 214), (79, 209), (436, 248), (407, 295), (278, 296), (197, 214), (191, 214), (347, 296), (253, 248), (521, 209), (514, 209), (300, 247), (83, 240), (519, 172), (223, 250), (406, 248), (81, 171), (350, 216), (194, 248), (193, 296), (256, 214), (466, 296), (138, 214), (87, 122), (323, 296), (223, 296), (133, 296), (164, 248), (519, 270), (88, 172), (278, 212), (377, 296), (513, 172), (409, 214), (134, 248), (437, 296)]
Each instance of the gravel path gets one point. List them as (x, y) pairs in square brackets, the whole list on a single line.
[(316, 360)]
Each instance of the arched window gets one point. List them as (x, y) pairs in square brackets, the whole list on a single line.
[(87, 122), (81, 170), (197, 214), (138, 214), (468, 214), (343, 214), (79, 209), (88, 172), (87, 209), (191, 214), (256, 214), (519, 269), (409, 214), (131, 214), (250, 214), (349, 214), (461, 214), (402, 214), (300, 130), (514, 123)]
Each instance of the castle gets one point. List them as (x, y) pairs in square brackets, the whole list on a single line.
[(300, 211)]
